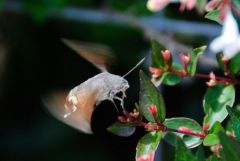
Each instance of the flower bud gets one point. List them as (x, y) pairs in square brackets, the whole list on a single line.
[(156, 5), (122, 119), (153, 110), (212, 82), (212, 5), (187, 4), (134, 114), (185, 58), (151, 127), (144, 157), (155, 72), (166, 55)]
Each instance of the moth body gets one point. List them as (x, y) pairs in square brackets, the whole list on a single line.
[(82, 100)]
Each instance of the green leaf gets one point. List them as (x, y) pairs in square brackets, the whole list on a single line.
[(175, 123), (231, 148), (218, 97), (195, 53), (214, 16), (40, 10), (157, 58), (149, 94), (147, 145), (234, 64), (200, 156), (212, 158), (173, 79), (215, 101), (216, 128), (200, 5), (211, 139), (237, 107), (236, 3), (170, 138), (228, 126), (182, 153), (122, 129), (219, 60), (140, 116), (235, 117)]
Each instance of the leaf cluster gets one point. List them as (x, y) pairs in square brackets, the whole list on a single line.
[(185, 133)]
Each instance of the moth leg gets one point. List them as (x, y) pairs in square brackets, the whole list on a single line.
[(115, 106), (124, 94), (112, 96), (121, 100)]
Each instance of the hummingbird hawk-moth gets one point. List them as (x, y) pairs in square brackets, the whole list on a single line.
[(76, 107)]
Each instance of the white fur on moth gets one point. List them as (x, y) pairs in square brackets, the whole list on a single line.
[(229, 41)]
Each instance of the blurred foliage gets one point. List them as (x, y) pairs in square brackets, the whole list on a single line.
[(40, 9), (135, 7)]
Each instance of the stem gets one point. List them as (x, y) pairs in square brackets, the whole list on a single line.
[(219, 79), (163, 128), (183, 73), (185, 132)]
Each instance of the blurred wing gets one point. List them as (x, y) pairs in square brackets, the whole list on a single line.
[(80, 119), (99, 55)]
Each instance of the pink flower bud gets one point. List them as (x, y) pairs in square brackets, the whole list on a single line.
[(212, 4), (166, 55), (151, 127), (144, 157), (185, 58), (212, 76), (212, 82), (122, 119), (222, 5), (134, 114), (155, 71), (153, 110), (156, 5), (223, 12), (187, 4)]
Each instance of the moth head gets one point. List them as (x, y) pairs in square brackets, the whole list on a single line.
[(120, 84)]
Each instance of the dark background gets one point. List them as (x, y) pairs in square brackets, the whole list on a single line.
[(34, 62)]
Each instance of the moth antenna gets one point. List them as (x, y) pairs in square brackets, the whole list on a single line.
[(140, 62)]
